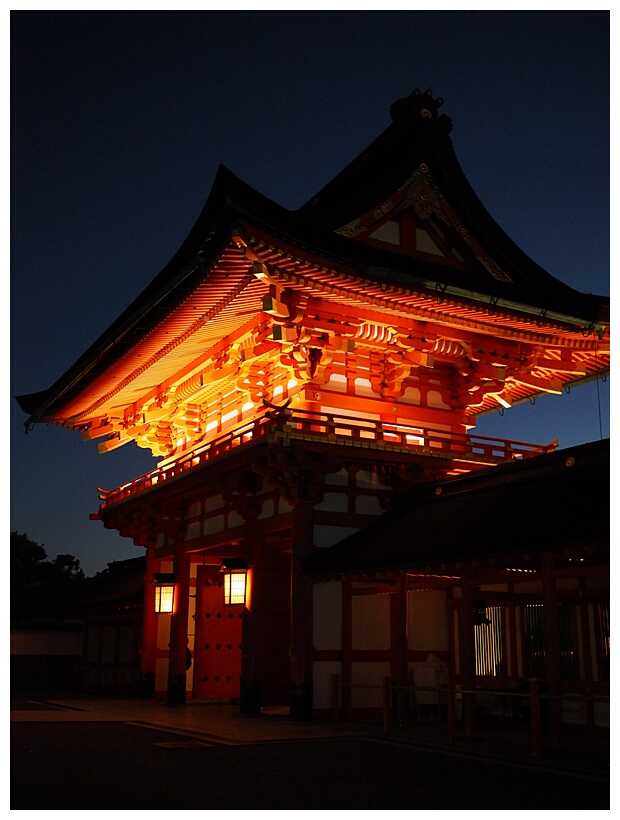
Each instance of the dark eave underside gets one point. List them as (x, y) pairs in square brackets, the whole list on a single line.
[(533, 505)]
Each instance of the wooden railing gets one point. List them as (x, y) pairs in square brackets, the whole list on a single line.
[(337, 429), (397, 705)]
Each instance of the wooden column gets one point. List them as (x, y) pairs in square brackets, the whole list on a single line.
[(467, 654), (400, 649), (177, 665), (590, 655), (148, 652), (552, 647), (254, 637), (301, 613), (347, 647), (241, 490)]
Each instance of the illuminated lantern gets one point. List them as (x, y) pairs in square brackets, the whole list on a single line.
[(235, 581), (164, 593)]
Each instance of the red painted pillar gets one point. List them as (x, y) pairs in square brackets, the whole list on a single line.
[(301, 614), (254, 637), (467, 652), (552, 647), (149, 628), (347, 647), (177, 668), (400, 649)]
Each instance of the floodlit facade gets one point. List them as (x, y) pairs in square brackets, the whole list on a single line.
[(297, 373)]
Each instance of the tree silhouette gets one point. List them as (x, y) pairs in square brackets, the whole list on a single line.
[(41, 590)]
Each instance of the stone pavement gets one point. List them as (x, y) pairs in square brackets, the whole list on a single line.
[(587, 756), (220, 722)]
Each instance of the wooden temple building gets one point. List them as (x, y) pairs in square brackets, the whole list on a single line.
[(322, 509)]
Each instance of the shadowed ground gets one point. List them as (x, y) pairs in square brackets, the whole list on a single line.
[(86, 754)]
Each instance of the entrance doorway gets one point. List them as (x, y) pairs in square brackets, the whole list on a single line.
[(217, 648)]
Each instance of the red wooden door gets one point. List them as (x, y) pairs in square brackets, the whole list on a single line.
[(217, 648)]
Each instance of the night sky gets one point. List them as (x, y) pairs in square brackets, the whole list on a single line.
[(119, 121)]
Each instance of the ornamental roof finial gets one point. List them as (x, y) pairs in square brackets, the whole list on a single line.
[(416, 106)]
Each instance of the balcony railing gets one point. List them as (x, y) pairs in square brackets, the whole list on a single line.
[(342, 430)]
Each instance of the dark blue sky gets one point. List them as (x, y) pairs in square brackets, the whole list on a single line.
[(120, 120)]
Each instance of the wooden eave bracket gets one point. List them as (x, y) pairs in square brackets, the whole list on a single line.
[(112, 443), (554, 386), (92, 432)]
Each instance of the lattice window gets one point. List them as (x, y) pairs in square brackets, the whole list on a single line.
[(536, 660), (603, 619), (567, 652), (489, 644)]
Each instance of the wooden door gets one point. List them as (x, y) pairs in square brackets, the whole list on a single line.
[(217, 652)]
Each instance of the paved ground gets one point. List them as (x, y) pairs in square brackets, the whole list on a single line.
[(112, 754)]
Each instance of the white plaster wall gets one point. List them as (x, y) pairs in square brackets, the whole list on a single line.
[(412, 396), (601, 714), (368, 480), (327, 615), (368, 505), (363, 387), (427, 620), (46, 643), (597, 582), (321, 682), (371, 622), (434, 399), (161, 674), (163, 631), (194, 509), (368, 676), (283, 506), (325, 535), (390, 232), (235, 520), (333, 502), (567, 584), (341, 478), (337, 382), (214, 524), (215, 502), (267, 508), (193, 531), (528, 586), (574, 712)]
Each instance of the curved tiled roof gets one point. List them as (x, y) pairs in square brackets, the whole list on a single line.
[(208, 265), (559, 499)]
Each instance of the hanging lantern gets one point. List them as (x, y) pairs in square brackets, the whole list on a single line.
[(164, 593), (480, 613), (235, 581)]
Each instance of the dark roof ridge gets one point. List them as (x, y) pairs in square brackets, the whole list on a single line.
[(520, 469), (418, 135)]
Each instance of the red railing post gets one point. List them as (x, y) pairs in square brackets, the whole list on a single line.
[(451, 707), (325, 424)]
